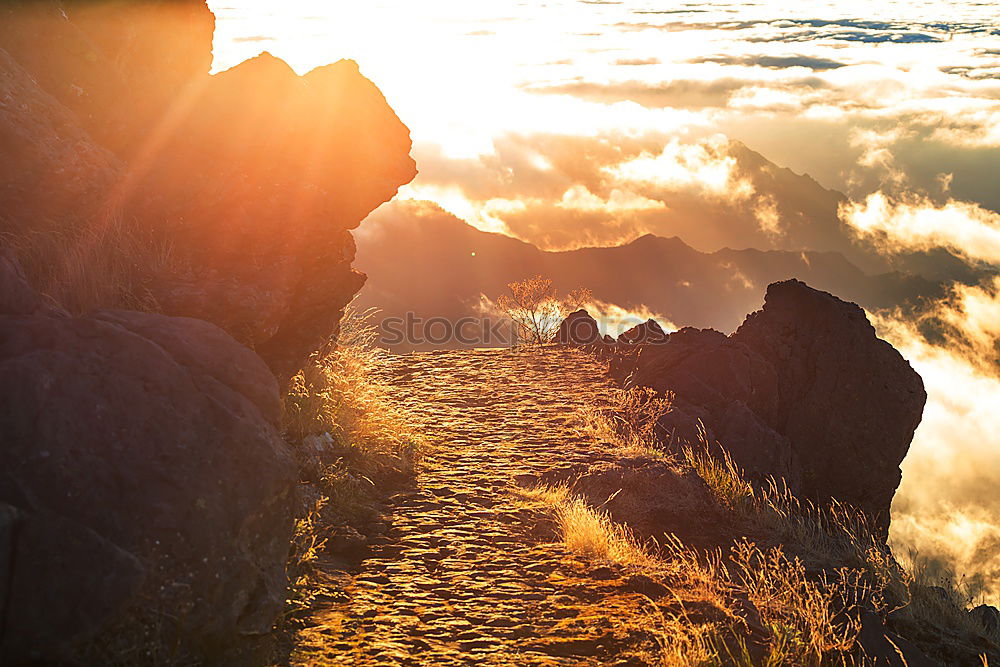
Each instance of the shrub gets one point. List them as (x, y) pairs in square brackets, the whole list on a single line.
[(537, 310)]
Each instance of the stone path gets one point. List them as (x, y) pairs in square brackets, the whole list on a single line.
[(467, 575)]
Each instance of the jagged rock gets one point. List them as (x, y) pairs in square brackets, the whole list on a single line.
[(117, 65), (579, 328), (803, 390), (649, 331), (252, 177), (149, 443)]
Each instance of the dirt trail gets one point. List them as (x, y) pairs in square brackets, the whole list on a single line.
[(467, 574)]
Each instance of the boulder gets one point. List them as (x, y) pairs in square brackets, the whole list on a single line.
[(142, 475), (649, 331), (252, 178), (51, 168), (987, 616), (804, 390), (116, 65), (579, 328), (60, 582)]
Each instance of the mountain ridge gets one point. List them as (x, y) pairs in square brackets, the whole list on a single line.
[(664, 276)]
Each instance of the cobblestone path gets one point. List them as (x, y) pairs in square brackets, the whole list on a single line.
[(467, 574)]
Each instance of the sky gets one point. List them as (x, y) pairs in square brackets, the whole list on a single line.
[(569, 123)]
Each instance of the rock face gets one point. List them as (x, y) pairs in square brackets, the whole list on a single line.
[(987, 616), (803, 390), (579, 328), (649, 331), (141, 475), (230, 197)]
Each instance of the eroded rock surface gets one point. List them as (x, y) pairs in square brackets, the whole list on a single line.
[(142, 478), (231, 195), (804, 390)]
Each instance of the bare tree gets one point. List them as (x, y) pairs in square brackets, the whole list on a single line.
[(537, 309)]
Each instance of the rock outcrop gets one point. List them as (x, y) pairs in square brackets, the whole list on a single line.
[(649, 331), (142, 476), (987, 616), (229, 197), (579, 328), (803, 390)]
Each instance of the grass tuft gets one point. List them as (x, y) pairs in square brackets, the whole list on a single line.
[(343, 395), (818, 568), (105, 264), (353, 443), (631, 423)]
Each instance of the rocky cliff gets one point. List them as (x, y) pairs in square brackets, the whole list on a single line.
[(143, 481), (234, 193), (156, 223), (804, 390)]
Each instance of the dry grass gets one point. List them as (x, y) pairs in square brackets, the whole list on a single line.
[(824, 564), (354, 445), (802, 621), (631, 423), (344, 392), (106, 264), (591, 532), (588, 531)]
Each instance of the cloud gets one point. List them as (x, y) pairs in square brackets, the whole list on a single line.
[(773, 62), (632, 62), (947, 508), (567, 191), (615, 320), (579, 198), (705, 166), (915, 223), (678, 93)]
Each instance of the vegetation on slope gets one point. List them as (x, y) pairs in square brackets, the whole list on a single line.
[(354, 447), (795, 586)]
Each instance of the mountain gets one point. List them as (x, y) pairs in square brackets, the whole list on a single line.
[(424, 261)]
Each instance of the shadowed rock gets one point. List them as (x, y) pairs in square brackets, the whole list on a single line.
[(235, 193), (649, 331), (59, 582), (987, 616), (579, 328), (141, 475), (803, 390)]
